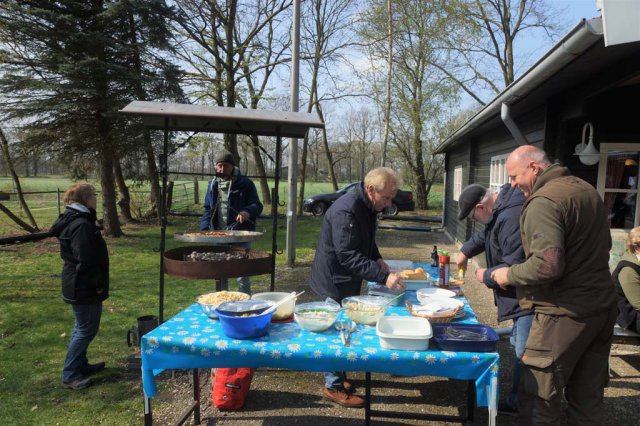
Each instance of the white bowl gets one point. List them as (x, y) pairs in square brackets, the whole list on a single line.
[(285, 310), (404, 333)]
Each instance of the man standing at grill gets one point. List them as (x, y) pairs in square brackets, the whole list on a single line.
[(231, 202), (347, 254), (565, 279), (500, 241)]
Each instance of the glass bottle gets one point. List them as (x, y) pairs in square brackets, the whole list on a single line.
[(434, 257)]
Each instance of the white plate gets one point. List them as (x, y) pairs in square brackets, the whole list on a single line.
[(437, 305), (434, 292)]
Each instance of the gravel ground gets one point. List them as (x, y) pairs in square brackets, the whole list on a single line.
[(280, 397)]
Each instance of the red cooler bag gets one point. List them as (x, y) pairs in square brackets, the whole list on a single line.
[(230, 386)]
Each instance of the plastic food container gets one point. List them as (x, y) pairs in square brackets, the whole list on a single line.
[(284, 311), (384, 291), (316, 316), (210, 301), (404, 333), (448, 343), (365, 309), (244, 327)]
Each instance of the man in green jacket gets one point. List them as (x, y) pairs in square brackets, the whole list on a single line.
[(565, 279)]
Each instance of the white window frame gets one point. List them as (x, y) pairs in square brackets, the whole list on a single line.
[(498, 172), (457, 182), (605, 148)]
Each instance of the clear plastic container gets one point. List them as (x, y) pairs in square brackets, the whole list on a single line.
[(316, 316), (365, 309)]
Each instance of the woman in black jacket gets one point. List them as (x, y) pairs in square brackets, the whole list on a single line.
[(85, 279)]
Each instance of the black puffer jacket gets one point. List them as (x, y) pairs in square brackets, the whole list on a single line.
[(85, 274), (347, 250), (500, 240)]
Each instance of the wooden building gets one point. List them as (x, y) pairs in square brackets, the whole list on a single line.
[(578, 90)]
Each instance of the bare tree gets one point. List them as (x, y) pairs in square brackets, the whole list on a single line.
[(477, 48), (16, 181), (326, 33)]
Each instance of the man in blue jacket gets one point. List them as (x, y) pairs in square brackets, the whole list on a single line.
[(231, 202), (347, 254), (501, 243)]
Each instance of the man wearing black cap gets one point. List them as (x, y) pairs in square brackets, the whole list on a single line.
[(231, 202), (501, 243)]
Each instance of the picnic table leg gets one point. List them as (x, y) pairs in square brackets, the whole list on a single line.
[(367, 398), (471, 401), (196, 396), (148, 415)]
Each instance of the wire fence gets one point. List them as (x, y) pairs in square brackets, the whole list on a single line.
[(45, 206)]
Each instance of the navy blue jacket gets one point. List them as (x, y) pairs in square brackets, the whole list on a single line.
[(85, 274), (243, 196), (347, 250), (500, 240)]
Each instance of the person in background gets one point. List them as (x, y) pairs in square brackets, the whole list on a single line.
[(500, 241), (85, 279), (626, 278), (231, 202), (347, 254), (565, 279)]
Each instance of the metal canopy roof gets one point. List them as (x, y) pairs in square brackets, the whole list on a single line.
[(202, 118)]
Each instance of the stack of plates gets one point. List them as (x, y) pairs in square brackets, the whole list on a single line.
[(437, 306)]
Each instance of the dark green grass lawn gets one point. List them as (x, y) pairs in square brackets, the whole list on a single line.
[(35, 324)]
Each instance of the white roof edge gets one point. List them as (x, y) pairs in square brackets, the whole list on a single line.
[(576, 42)]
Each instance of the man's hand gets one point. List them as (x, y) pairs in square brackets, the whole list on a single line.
[(500, 276), (383, 265), (242, 217), (462, 260), (480, 274), (394, 282)]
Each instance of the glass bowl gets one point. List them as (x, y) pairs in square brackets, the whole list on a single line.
[(365, 309), (316, 316)]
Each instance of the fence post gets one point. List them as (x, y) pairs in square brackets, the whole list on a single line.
[(196, 192), (169, 197), (58, 199)]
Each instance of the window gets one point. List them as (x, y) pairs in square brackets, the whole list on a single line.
[(457, 182), (498, 172), (618, 183)]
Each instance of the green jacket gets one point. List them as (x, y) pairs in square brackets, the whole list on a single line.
[(630, 281), (566, 239)]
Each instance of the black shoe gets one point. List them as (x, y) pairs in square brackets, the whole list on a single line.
[(77, 384), (90, 369)]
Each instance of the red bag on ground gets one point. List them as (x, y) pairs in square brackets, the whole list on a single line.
[(230, 386)]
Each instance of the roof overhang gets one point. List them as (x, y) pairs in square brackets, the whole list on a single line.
[(556, 70), (214, 119)]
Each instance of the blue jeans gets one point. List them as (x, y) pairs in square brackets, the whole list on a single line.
[(519, 336), (334, 379), (244, 283), (85, 329)]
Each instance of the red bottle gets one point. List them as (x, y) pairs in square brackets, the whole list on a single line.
[(443, 280)]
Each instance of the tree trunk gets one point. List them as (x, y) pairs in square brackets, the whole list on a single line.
[(327, 152), (125, 198), (264, 185), (16, 181), (109, 210), (387, 107)]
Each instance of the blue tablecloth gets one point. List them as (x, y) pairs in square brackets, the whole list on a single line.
[(192, 340)]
